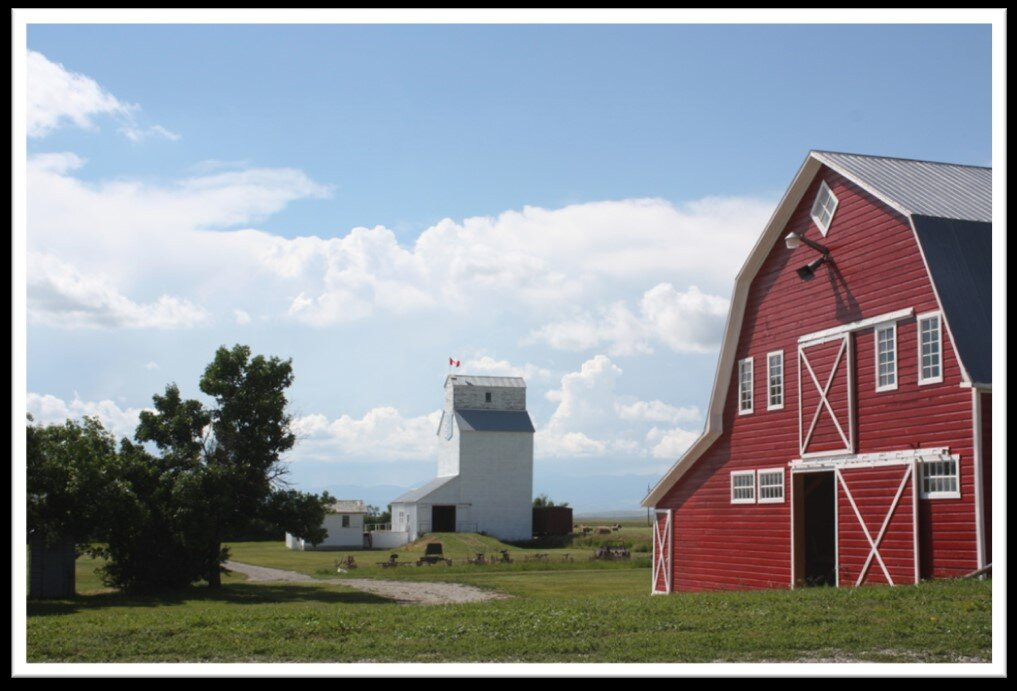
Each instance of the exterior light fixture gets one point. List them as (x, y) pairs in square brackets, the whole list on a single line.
[(794, 240)]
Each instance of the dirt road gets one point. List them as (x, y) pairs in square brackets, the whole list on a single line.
[(403, 592)]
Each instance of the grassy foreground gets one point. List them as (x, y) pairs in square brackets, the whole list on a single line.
[(560, 615)]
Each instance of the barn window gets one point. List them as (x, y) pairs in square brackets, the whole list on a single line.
[(886, 357), (487, 397), (771, 486), (775, 374), (743, 487), (346, 521), (823, 208), (930, 349), (745, 386), (941, 479)]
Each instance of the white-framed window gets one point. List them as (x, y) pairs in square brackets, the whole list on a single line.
[(775, 380), (771, 486), (823, 208), (941, 478), (745, 386), (743, 487), (930, 348), (886, 357)]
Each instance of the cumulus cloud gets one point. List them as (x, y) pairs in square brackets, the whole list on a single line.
[(655, 411), (539, 264), (60, 295), (686, 322), (49, 410), (489, 366), (57, 96), (670, 444), (593, 420), (382, 434), (241, 317)]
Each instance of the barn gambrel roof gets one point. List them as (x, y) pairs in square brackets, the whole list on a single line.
[(949, 207)]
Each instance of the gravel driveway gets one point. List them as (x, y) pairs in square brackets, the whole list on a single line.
[(403, 592)]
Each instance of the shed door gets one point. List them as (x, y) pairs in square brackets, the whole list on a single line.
[(826, 396), (443, 519), (877, 525), (662, 548)]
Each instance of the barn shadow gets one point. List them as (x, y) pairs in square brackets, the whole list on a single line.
[(233, 593)]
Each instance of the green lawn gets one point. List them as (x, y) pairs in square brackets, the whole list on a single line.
[(560, 617), (457, 546)]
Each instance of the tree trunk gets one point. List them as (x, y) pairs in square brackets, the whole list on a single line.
[(214, 576)]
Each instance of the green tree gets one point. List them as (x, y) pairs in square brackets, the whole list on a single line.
[(543, 500), (220, 466)]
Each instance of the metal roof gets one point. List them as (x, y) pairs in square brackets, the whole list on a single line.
[(926, 188), (474, 380), (959, 255), (348, 506), (475, 420), (421, 492)]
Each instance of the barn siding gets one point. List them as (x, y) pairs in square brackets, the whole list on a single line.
[(877, 269)]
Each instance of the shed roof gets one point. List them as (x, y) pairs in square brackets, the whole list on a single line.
[(421, 492), (475, 380), (476, 420), (348, 506), (926, 188)]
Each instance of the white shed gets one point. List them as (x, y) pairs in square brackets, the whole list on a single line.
[(485, 464), (344, 523)]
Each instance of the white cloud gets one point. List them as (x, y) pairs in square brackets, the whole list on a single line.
[(49, 410), (382, 434), (689, 322), (545, 266), (241, 317), (60, 295), (489, 366), (56, 96), (670, 444), (151, 365), (593, 421), (655, 411)]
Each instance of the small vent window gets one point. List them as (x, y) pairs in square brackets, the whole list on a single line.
[(823, 208)]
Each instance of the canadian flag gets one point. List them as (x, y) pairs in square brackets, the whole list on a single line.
[(453, 363)]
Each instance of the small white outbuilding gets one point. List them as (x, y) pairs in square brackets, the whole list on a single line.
[(344, 523), (485, 464)]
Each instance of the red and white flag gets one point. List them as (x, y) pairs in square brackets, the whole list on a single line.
[(453, 363)]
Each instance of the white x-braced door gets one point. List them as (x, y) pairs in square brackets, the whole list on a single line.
[(877, 524), (663, 544), (826, 414)]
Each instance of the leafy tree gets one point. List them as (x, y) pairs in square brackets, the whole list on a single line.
[(221, 465), (543, 500), (70, 476)]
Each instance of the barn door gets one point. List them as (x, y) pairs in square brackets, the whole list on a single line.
[(662, 547), (877, 524), (826, 397)]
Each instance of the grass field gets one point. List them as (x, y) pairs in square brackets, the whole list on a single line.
[(558, 614)]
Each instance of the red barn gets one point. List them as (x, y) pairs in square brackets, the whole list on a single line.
[(848, 436)]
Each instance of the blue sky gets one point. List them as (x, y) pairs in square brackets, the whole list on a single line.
[(565, 203)]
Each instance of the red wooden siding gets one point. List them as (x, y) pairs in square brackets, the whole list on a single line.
[(877, 269), (986, 401), (873, 491)]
